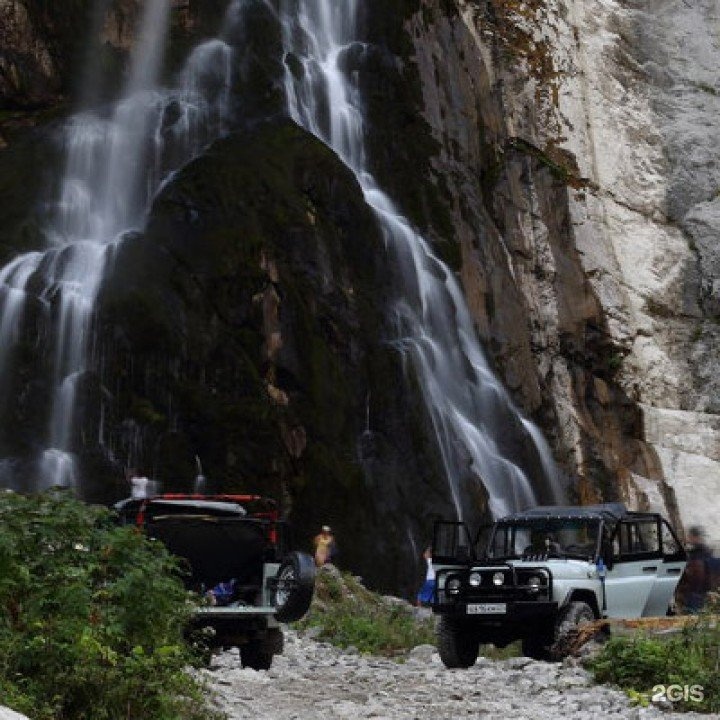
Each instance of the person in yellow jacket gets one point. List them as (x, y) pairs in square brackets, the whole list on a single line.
[(324, 543)]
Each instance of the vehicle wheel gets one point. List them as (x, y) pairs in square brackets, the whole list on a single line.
[(295, 586), (258, 654), (572, 617), (253, 656), (457, 644), (535, 648)]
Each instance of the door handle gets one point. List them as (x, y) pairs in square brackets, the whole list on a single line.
[(673, 571), (650, 568)]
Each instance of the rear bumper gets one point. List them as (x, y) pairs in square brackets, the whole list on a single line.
[(233, 611), (234, 625)]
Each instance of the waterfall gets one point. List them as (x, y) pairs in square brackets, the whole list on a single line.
[(116, 159), (470, 411), (118, 156)]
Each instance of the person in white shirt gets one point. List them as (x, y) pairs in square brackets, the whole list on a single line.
[(427, 591), (139, 487)]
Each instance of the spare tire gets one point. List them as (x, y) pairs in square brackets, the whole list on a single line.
[(294, 586)]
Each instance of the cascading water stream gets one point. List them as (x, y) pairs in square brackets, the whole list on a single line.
[(470, 411), (116, 161), (119, 156)]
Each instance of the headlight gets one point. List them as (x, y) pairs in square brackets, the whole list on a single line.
[(498, 578), (475, 579), (453, 585), (534, 583)]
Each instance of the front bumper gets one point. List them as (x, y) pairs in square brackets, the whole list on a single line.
[(517, 612)]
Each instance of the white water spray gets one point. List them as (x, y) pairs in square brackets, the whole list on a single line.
[(115, 163)]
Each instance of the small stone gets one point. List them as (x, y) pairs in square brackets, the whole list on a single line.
[(313, 632), (422, 652)]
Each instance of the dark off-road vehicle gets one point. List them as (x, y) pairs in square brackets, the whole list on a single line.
[(239, 560), (536, 575)]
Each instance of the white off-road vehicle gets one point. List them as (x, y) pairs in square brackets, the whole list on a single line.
[(536, 575)]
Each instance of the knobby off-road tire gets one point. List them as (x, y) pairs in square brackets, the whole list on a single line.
[(295, 586), (458, 645), (572, 616), (258, 654)]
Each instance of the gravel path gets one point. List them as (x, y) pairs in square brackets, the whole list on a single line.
[(315, 681)]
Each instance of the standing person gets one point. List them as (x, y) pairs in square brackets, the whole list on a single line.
[(325, 547), (427, 591), (696, 581), (139, 485)]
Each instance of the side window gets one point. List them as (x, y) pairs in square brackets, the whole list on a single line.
[(500, 546), (482, 541), (671, 547), (451, 542), (639, 538)]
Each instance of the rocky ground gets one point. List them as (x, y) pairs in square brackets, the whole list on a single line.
[(316, 680)]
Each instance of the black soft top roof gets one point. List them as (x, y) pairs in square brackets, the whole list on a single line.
[(611, 512)]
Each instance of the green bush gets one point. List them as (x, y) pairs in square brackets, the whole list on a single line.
[(690, 657), (347, 613), (91, 617)]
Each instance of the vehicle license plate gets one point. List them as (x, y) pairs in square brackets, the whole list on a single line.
[(486, 608)]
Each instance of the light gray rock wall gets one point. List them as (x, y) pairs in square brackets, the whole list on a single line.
[(624, 268), (641, 111)]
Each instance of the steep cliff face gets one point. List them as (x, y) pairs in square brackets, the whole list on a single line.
[(644, 105), (559, 156), (576, 141), (496, 200)]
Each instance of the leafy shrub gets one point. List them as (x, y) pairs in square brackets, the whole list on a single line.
[(347, 613), (91, 617), (689, 657)]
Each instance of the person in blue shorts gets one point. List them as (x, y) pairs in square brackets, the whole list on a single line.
[(427, 591)]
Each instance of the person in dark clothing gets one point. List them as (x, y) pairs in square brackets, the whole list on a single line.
[(696, 581)]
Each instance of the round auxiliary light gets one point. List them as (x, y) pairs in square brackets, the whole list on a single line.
[(498, 578), (452, 586), (534, 582), (475, 579)]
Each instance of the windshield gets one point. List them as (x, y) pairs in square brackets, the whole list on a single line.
[(544, 537)]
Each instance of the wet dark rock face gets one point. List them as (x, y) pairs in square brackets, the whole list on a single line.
[(246, 326)]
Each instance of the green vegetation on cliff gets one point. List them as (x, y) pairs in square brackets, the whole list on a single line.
[(91, 617)]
